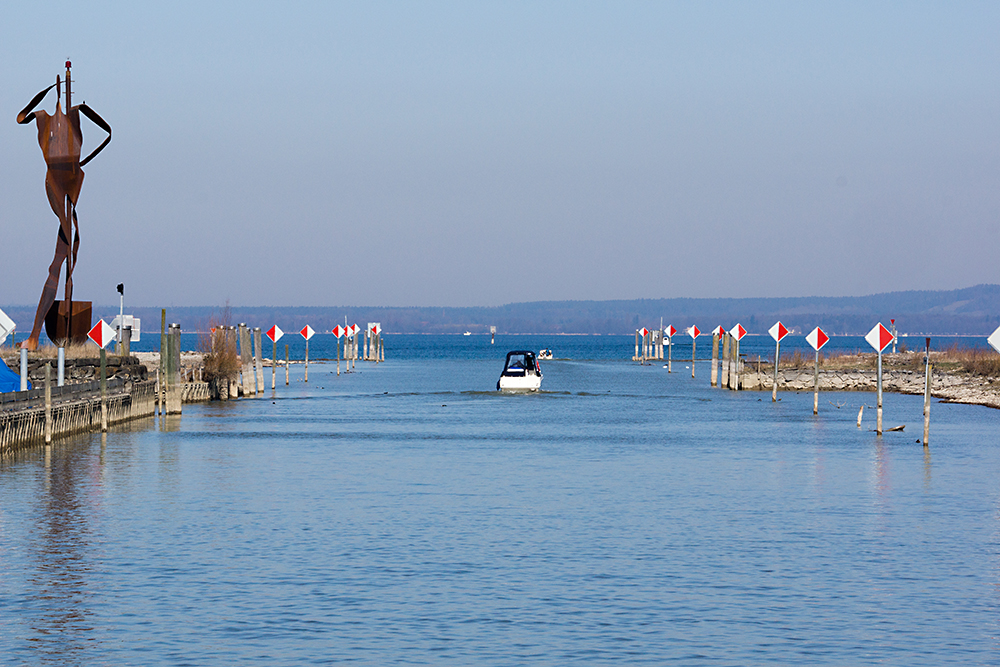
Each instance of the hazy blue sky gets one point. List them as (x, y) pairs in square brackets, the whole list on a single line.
[(477, 154)]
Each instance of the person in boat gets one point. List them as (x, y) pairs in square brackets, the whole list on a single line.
[(61, 140)]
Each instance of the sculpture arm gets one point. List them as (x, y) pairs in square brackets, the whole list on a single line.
[(27, 113), (99, 122)]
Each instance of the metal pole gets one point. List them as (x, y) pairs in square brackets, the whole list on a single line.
[(104, 390), (670, 354), (774, 387), (24, 368), (927, 391), (286, 364), (274, 361), (878, 418), (816, 386), (61, 367), (336, 344), (307, 360), (694, 342)]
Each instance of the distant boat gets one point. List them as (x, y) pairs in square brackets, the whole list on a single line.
[(467, 333), (545, 354), (520, 372)]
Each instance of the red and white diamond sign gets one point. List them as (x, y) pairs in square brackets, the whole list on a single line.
[(738, 332), (694, 331), (718, 331), (669, 331), (307, 332), (102, 334), (644, 332), (817, 339), (338, 331), (778, 331), (274, 333), (375, 328), (994, 340), (879, 337), (353, 330)]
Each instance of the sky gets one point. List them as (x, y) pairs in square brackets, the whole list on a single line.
[(463, 154)]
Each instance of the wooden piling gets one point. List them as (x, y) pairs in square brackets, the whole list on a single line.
[(336, 344), (258, 366), (286, 364), (174, 395), (634, 358), (161, 399), (725, 360), (861, 412), (246, 362), (48, 403), (715, 358), (736, 364)]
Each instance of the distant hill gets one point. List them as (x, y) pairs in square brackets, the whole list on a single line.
[(973, 310)]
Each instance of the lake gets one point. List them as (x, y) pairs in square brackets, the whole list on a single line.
[(407, 513)]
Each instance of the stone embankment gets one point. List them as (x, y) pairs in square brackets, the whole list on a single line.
[(952, 387)]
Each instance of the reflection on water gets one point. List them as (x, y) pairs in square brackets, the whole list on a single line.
[(627, 516)]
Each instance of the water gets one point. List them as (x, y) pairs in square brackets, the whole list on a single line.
[(407, 514)]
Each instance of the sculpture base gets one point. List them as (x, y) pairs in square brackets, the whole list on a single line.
[(55, 322)]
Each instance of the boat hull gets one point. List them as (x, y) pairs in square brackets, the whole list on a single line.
[(526, 383)]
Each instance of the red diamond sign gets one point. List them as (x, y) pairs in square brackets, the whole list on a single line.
[(307, 332), (778, 331), (879, 337), (718, 331), (375, 328), (274, 333), (353, 330), (694, 331), (738, 332), (102, 334), (669, 331), (644, 332), (338, 331), (817, 339)]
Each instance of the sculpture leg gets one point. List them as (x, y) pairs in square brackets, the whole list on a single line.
[(48, 292)]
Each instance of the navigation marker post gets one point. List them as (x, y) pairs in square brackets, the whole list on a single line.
[(670, 331), (737, 332), (879, 338), (274, 333), (927, 390), (817, 339), (102, 334), (694, 332), (717, 334), (337, 332), (778, 331), (643, 334), (307, 333)]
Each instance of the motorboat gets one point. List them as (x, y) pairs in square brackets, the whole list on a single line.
[(544, 355), (520, 372), (467, 333)]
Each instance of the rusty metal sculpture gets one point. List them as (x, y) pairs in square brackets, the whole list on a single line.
[(61, 139)]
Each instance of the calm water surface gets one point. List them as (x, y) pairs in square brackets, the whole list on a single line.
[(407, 514)]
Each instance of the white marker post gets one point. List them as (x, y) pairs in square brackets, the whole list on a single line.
[(778, 331), (817, 339), (927, 390), (694, 332), (670, 331), (879, 338), (102, 334), (337, 332), (307, 333), (274, 333), (737, 332), (717, 334)]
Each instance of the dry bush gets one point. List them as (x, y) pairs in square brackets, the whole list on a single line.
[(221, 358), (974, 361)]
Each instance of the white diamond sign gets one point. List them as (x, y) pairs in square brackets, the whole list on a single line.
[(102, 334), (879, 337), (778, 331), (6, 326), (670, 331), (817, 338), (738, 332), (307, 332), (994, 340)]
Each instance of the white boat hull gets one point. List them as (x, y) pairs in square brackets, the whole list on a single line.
[(526, 383)]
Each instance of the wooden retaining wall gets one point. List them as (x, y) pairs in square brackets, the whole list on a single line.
[(22, 422)]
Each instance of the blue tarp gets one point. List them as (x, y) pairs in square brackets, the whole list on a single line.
[(9, 380)]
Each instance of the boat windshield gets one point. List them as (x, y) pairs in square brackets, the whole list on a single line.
[(520, 361)]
